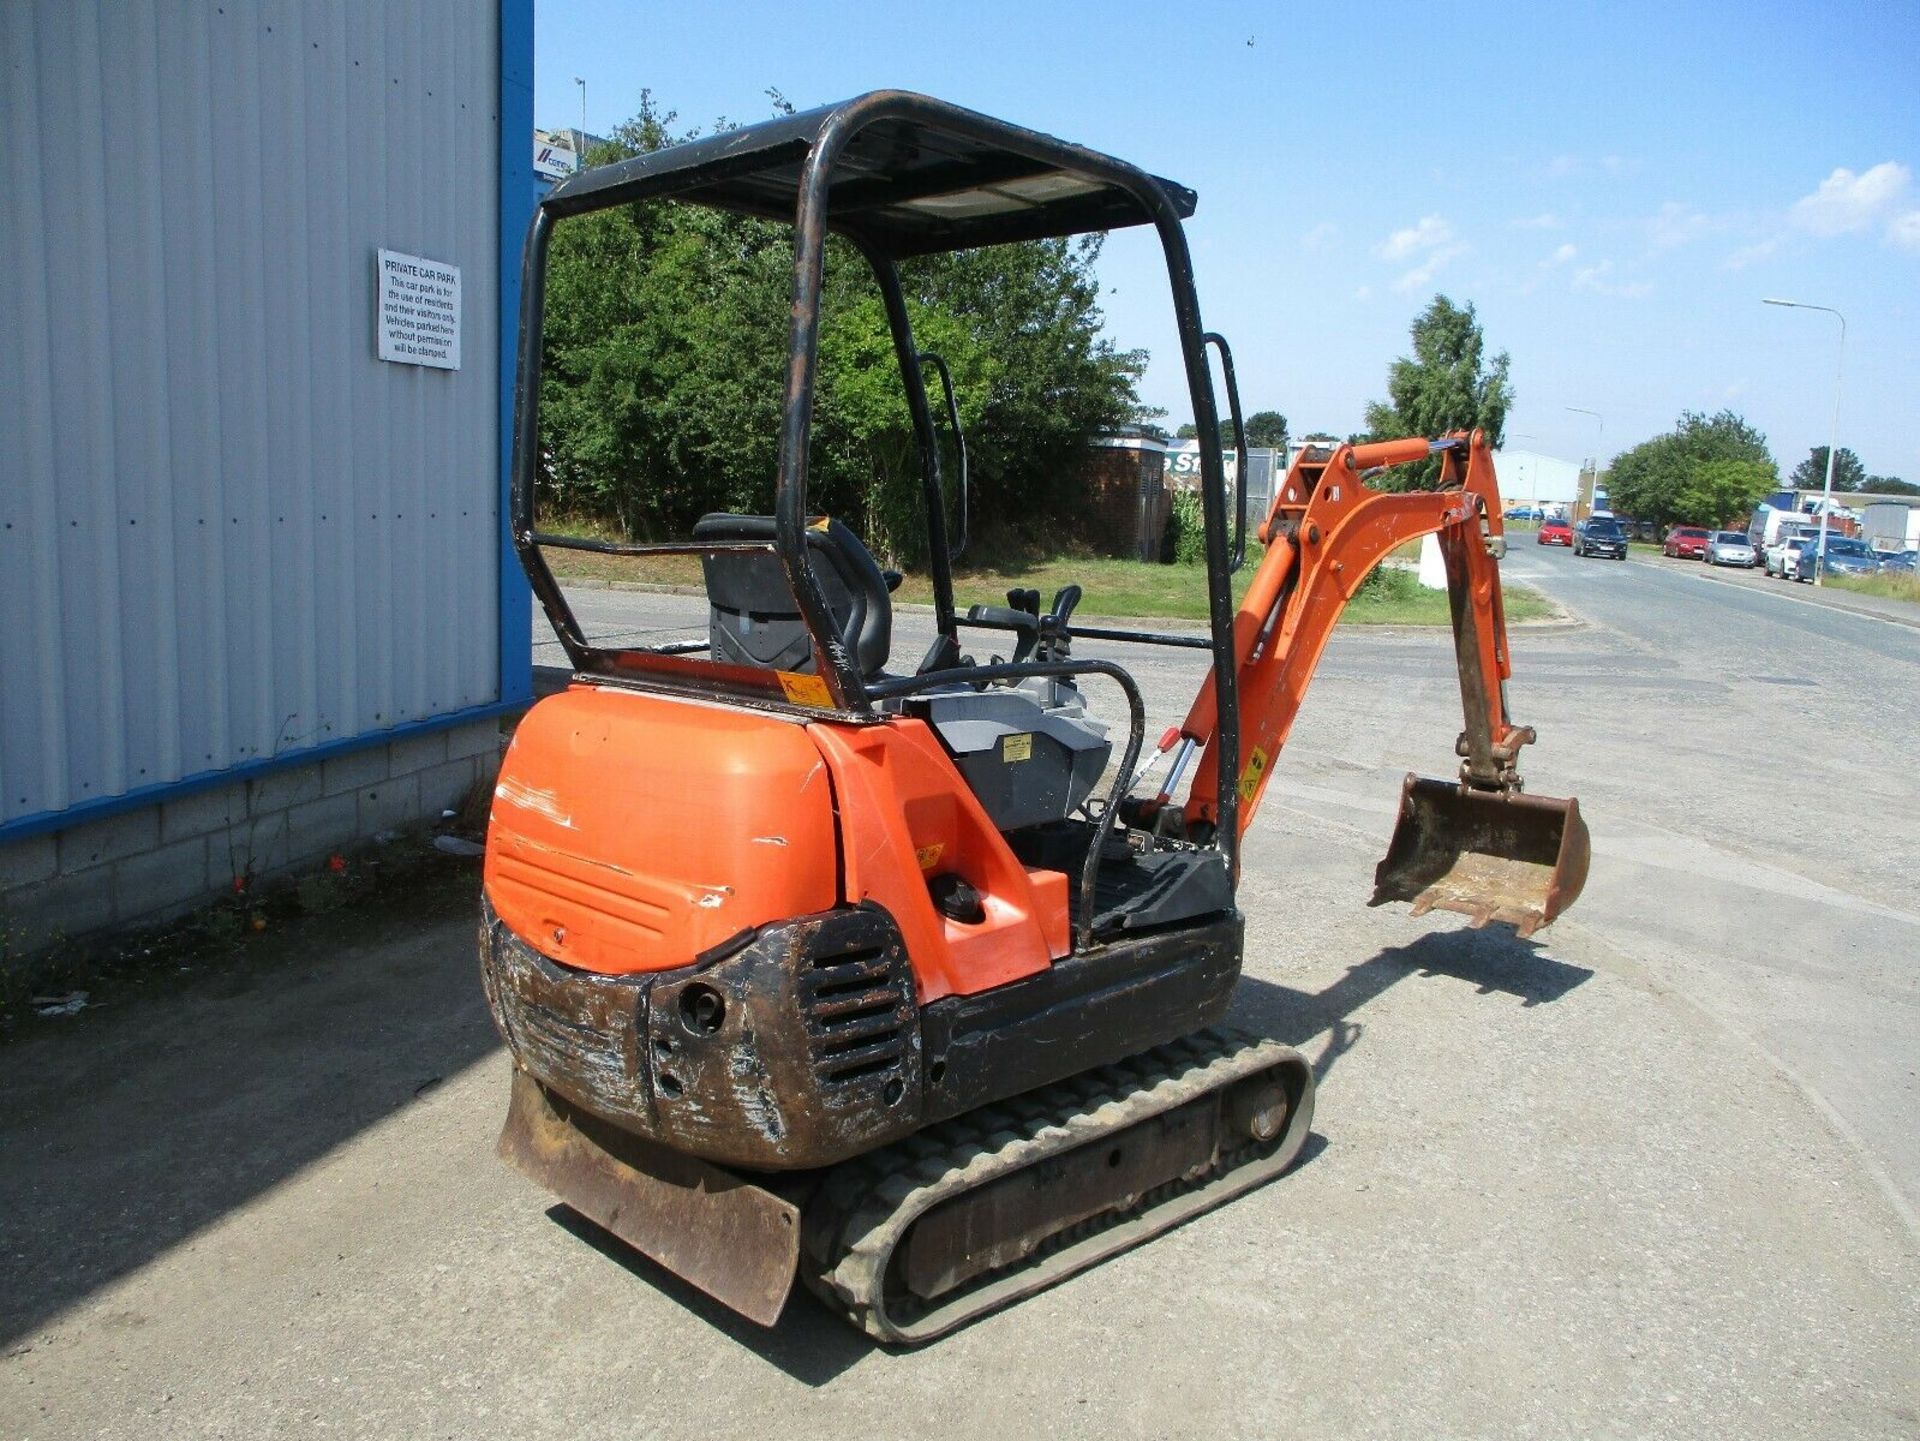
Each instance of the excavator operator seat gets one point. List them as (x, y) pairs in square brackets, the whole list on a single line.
[(754, 618)]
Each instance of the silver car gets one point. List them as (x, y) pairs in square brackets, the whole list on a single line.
[(1731, 547)]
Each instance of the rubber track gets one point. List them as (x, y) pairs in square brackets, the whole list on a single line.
[(865, 1206)]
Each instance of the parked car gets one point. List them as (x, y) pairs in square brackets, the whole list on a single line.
[(1845, 556), (1685, 542), (1523, 512), (1900, 562), (1600, 535), (1554, 532), (1731, 547), (1783, 557)]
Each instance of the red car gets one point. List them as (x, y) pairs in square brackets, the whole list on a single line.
[(1554, 532), (1686, 542)]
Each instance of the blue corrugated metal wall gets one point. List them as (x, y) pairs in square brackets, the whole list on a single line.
[(228, 532)]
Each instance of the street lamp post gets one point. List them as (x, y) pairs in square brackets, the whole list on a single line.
[(583, 109), (1600, 430), (1833, 434)]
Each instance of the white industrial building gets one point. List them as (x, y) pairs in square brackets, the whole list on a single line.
[(1529, 478), (255, 388)]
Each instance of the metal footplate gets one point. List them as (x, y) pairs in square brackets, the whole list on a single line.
[(960, 1219)]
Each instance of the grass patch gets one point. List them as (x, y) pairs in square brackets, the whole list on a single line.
[(1392, 596), (1127, 589), (1887, 587)]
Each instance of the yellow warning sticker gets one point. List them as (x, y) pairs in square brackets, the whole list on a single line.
[(929, 856), (1017, 747), (1250, 777), (805, 689)]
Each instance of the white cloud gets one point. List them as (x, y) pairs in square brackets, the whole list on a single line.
[(1748, 254), (1431, 232), (1424, 272), (1589, 277), (1846, 203), (1675, 225), (1546, 220), (1320, 237), (1560, 256), (1431, 242), (1595, 280), (1562, 166), (1365, 292)]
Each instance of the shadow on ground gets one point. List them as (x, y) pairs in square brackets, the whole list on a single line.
[(139, 1123), (1493, 960)]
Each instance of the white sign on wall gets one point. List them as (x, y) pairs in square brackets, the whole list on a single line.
[(418, 316)]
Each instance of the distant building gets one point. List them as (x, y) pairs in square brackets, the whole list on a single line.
[(559, 153), (1808, 499), (1527, 477)]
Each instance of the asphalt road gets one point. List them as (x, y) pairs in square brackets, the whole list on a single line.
[(1651, 1174)]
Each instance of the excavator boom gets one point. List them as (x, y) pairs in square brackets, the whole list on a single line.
[(1477, 844)]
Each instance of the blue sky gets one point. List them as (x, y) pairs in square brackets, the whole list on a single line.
[(1615, 188)]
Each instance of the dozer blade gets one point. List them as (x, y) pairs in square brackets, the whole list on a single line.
[(734, 1240), (1490, 855)]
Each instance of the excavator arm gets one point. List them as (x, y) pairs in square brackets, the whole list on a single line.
[(1478, 844)]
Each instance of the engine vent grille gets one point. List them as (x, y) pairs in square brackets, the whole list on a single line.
[(859, 1007)]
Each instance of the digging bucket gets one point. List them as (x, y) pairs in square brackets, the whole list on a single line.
[(1490, 855)]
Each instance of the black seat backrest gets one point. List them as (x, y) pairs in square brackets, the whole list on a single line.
[(754, 619)]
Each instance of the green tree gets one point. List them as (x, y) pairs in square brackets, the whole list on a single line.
[(1707, 470), (665, 364), (1447, 384), (1811, 473), (1267, 428), (1264, 428), (1889, 485), (1720, 491)]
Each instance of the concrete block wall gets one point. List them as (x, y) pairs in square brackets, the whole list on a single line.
[(148, 866)]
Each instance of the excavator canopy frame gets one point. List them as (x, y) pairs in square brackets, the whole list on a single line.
[(896, 174)]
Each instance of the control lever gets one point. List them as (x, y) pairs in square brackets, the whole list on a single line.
[(1040, 637), (1025, 624), (1056, 641)]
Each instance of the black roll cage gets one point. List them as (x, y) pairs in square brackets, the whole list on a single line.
[(895, 174)]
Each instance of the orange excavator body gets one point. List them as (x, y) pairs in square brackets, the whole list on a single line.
[(630, 833), (814, 964)]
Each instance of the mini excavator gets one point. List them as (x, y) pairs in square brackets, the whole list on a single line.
[(889, 976)]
